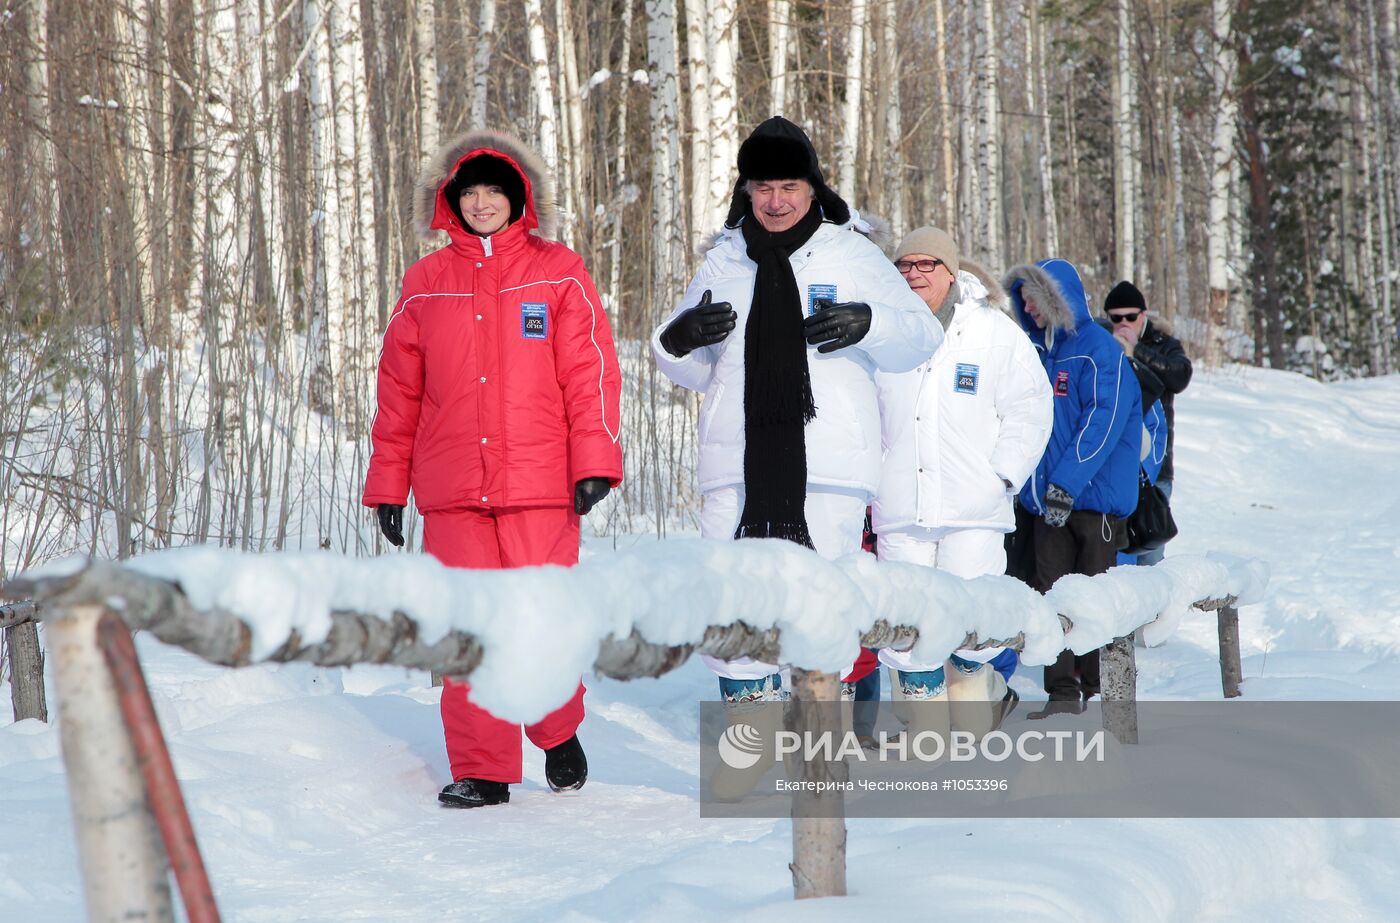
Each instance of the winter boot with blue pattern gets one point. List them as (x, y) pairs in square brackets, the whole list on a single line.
[(979, 698), (922, 704), (754, 711)]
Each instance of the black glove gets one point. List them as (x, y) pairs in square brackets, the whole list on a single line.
[(836, 326), (391, 522), (703, 325), (588, 492), (1058, 505)]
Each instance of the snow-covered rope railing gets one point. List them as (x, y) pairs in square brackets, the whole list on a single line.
[(219, 636), (622, 615), (16, 613)]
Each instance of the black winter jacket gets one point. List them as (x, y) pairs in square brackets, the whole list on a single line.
[(1163, 354)]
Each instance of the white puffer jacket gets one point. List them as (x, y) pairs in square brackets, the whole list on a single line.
[(843, 440), (980, 410)]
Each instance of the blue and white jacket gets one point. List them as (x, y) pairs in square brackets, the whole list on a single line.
[(1096, 437), (1154, 441)]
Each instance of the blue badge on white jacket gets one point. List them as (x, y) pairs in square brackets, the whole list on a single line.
[(965, 378), (818, 292), (534, 320)]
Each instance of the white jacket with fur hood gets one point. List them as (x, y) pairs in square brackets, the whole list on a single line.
[(979, 411), (839, 263)]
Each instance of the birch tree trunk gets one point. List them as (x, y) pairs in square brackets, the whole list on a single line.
[(1180, 257), (945, 122), (575, 146), (425, 38), (1072, 138), (620, 180), (891, 66), (1382, 353), (1365, 131), (1222, 160), (41, 106), (779, 16), (322, 262), (864, 192), (850, 114), (1239, 221), (1124, 150), (665, 150), (970, 162), (1264, 276), (350, 210), (1038, 102), (542, 87), (481, 62), (990, 121), (697, 49), (1389, 77), (722, 25)]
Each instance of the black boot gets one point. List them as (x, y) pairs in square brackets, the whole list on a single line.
[(565, 766), (1058, 707), (474, 793), (1007, 706)]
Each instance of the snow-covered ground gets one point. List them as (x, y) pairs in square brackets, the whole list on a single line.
[(313, 791)]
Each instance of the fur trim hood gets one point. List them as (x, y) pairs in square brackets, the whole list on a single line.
[(996, 295), (1159, 324), (430, 210), (1055, 287)]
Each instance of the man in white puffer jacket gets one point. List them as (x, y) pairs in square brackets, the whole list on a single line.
[(961, 434), (789, 435)]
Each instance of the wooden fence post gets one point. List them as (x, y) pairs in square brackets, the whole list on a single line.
[(1118, 686), (818, 818), (1231, 672), (163, 794), (26, 671), (125, 872)]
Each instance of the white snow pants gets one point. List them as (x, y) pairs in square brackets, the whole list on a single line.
[(963, 552), (835, 519)]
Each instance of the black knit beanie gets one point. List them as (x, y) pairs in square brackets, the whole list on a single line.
[(485, 170), (779, 149), (1124, 295)]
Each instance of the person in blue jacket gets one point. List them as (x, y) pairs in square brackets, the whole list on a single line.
[(1087, 480)]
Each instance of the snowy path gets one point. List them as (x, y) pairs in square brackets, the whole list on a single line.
[(313, 790)]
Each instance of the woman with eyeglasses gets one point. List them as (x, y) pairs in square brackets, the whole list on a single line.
[(961, 434)]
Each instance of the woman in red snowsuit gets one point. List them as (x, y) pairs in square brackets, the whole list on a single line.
[(498, 407)]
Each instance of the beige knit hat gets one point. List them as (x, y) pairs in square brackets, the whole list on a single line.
[(936, 242)]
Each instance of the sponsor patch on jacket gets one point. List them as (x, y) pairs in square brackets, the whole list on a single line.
[(819, 292), (1062, 383), (534, 320), (965, 378)]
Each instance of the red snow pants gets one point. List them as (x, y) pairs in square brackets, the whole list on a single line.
[(480, 745)]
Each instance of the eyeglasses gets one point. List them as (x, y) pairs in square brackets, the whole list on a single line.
[(921, 265), (1125, 318)]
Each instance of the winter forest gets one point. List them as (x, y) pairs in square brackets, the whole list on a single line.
[(204, 212)]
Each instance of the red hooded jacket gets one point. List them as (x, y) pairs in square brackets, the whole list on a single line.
[(498, 381)]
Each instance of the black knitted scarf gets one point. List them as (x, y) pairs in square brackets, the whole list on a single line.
[(777, 388)]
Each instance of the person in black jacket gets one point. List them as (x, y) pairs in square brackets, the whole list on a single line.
[(1150, 345)]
